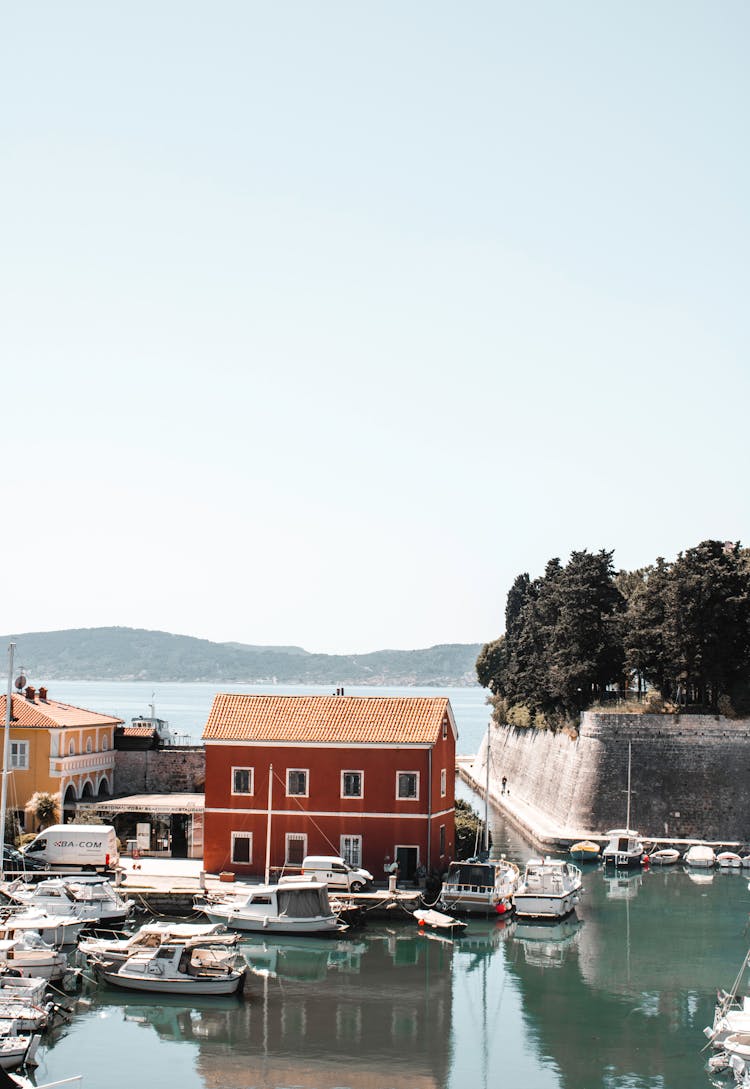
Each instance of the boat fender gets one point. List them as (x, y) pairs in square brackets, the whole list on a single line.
[(646, 860), (500, 908), (265, 921)]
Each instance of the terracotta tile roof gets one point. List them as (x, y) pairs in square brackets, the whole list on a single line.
[(49, 713), (137, 731), (396, 720)]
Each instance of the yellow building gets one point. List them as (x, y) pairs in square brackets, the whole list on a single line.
[(57, 748)]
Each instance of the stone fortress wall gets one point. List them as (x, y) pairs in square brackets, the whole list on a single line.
[(690, 774), (173, 769)]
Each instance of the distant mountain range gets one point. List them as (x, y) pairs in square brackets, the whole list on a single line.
[(134, 654)]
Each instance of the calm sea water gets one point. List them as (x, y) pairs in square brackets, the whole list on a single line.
[(186, 706), (613, 998)]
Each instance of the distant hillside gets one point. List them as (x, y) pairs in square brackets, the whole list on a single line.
[(127, 654)]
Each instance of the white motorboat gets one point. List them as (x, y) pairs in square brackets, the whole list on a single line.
[(701, 856), (728, 860), (480, 888), (56, 930), (624, 848), (732, 1011), (550, 889), (94, 900), (188, 967), (294, 907), (33, 957), (151, 936), (664, 856)]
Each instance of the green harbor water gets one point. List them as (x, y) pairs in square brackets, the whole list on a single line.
[(616, 996)]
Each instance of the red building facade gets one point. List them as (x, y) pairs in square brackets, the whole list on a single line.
[(368, 777)]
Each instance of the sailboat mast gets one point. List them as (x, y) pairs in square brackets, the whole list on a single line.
[(6, 749), (627, 821), (487, 796), (268, 824)]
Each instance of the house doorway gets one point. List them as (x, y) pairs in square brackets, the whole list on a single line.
[(408, 860), (179, 835)]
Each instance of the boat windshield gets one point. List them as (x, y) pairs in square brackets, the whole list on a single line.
[(471, 873), (303, 903)]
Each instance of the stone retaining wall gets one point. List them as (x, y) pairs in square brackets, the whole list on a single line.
[(161, 771), (690, 774)]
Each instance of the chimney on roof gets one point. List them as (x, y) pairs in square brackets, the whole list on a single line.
[(42, 694), (30, 693)]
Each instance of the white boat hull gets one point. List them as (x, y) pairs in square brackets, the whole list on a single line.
[(273, 924), (185, 986), (532, 906)]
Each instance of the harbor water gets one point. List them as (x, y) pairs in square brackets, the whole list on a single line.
[(614, 997)]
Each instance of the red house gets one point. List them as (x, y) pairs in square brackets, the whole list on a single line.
[(368, 777)]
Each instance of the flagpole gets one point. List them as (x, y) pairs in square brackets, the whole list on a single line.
[(6, 749)]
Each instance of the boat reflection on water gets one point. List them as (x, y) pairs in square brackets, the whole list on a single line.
[(547, 944), (623, 886), (699, 877), (307, 959)]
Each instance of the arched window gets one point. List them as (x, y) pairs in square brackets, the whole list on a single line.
[(72, 748), (89, 746), (104, 789), (105, 743), (88, 792)]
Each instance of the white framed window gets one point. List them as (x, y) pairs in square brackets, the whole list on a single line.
[(296, 848), (443, 783), (352, 784), (72, 748), (89, 746), (19, 754), (296, 782), (442, 839), (243, 780), (407, 785), (105, 743), (350, 848), (242, 847)]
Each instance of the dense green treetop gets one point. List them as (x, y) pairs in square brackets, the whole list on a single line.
[(583, 633)]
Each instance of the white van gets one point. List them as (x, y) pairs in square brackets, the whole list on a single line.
[(76, 847), (336, 873)]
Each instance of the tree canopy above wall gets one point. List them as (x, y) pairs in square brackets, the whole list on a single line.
[(583, 633)]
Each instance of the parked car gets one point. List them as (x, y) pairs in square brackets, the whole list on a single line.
[(16, 864), (336, 873)]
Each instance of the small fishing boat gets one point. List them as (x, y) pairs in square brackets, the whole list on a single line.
[(32, 956), (189, 967), (436, 920), (624, 848), (550, 889), (151, 936), (293, 907), (728, 860), (57, 930), (664, 856), (480, 888), (732, 1011), (17, 1049), (701, 856), (585, 851), (22, 1005)]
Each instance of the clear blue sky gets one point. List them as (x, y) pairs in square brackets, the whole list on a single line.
[(321, 321)]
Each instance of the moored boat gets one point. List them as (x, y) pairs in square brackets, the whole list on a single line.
[(664, 856), (295, 907), (475, 887), (728, 860), (701, 856), (189, 967), (624, 848), (585, 851), (151, 936), (549, 889)]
